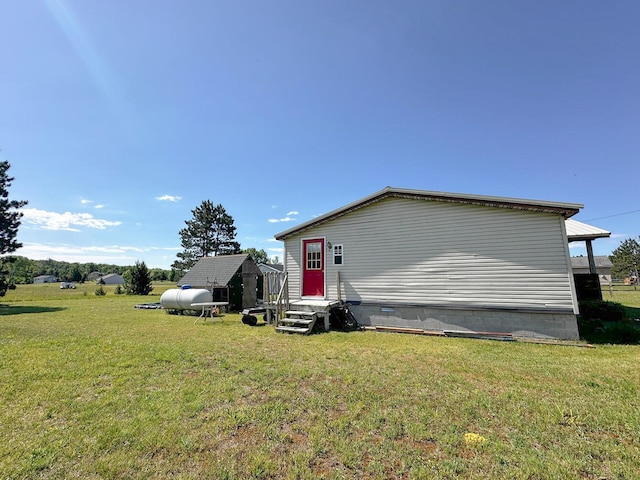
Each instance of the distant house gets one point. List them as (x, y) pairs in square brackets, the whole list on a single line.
[(231, 278), (580, 266), (438, 261), (271, 268), (111, 279), (45, 279)]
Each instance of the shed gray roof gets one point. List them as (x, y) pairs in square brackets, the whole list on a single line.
[(274, 267), (602, 261), (565, 209), (217, 270), (111, 275)]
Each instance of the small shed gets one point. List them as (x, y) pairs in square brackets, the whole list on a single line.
[(231, 278)]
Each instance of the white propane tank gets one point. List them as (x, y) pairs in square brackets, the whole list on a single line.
[(179, 299)]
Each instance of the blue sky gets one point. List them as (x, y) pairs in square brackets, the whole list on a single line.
[(119, 118)]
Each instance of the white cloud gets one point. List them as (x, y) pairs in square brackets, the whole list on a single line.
[(64, 221), (169, 198), (70, 253), (110, 254), (99, 206), (84, 201), (278, 220), (293, 213)]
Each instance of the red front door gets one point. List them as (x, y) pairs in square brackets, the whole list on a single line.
[(313, 268)]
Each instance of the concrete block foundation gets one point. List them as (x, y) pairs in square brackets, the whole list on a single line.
[(546, 325)]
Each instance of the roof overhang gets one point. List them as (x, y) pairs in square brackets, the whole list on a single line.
[(578, 231), (566, 210)]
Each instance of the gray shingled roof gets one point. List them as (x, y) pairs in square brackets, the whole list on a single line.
[(277, 267), (602, 261), (210, 271)]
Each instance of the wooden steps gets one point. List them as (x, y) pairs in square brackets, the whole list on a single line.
[(298, 321)]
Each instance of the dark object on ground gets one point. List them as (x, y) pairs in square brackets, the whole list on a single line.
[(340, 318), (251, 320)]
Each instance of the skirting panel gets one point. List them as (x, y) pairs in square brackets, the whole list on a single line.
[(521, 324)]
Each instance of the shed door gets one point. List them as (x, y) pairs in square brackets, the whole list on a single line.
[(313, 268)]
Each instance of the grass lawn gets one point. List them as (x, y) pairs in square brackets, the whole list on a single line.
[(93, 388)]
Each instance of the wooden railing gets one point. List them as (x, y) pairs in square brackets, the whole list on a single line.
[(282, 302), (275, 295)]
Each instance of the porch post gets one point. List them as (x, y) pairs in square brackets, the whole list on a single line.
[(592, 261)]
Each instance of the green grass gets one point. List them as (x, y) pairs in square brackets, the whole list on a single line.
[(629, 297), (93, 388), (52, 291)]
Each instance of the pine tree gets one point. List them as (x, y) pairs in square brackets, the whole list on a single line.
[(137, 280), (210, 232), (626, 259), (9, 223)]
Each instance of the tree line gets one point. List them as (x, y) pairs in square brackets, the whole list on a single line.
[(626, 259), (22, 270)]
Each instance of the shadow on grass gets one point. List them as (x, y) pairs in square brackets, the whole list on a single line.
[(625, 332), (19, 310)]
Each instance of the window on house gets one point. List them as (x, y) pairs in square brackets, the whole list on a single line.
[(314, 256), (337, 255)]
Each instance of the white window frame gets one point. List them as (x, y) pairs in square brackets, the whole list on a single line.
[(339, 246)]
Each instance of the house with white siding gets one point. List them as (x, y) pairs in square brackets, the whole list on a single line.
[(45, 279), (438, 261)]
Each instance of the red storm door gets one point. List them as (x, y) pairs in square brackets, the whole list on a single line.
[(313, 268)]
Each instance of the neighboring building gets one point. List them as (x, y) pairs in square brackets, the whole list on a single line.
[(587, 282), (111, 279), (271, 268), (231, 278), (580, 266), (272, 276), (440, 261), (45, 279)]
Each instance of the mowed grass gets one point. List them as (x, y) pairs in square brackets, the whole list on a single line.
[(94, 388)]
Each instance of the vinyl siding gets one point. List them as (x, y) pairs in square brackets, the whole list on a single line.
[(419, 252)]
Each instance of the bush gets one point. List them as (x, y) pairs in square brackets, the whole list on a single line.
[(118, 290), (605, 322), (601, 310), (625, 332), (100, 291)]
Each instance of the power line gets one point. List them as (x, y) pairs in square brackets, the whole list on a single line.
[(615, 215)]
